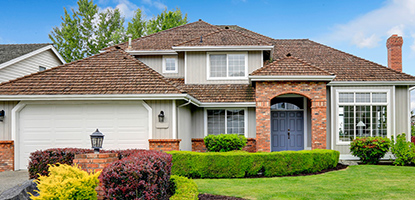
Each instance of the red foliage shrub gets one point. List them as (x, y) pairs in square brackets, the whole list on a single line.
[(144, 175), (40, 160)]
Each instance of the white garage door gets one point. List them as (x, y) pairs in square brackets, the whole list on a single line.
[(125, 125)]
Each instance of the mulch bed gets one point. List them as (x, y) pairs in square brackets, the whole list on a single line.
[(219, 197)]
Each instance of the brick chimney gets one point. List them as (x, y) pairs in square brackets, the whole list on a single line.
[(394, 45)]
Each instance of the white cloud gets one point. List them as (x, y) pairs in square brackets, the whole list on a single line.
[(126, 7), (368, 30), (155, 3)]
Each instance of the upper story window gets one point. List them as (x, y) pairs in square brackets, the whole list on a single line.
[(170, 64), (227, 65), (362, 114), (42, 68)]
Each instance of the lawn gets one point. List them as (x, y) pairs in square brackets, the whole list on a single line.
[(356, 182)]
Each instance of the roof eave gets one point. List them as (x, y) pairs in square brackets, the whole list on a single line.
[(152, 52), (222, 48), (292, 78), (353, 83)]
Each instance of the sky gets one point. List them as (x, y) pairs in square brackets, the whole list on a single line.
[(359, 27)]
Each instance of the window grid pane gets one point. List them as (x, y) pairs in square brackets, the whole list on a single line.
[(346, 123), (346, 97), (379, 119), (236, 65), (216, 122), (170, 64), (218, 65), (362, 121), (235, 122), (362, 97), (379, 97)]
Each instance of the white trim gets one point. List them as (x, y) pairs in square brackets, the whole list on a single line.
[(360, 83), (293, 78), (226, 128), (408, 134), (227, 77), (97, 97), (185, 67), (222, 48), (228, 105), (333, 119), (176, 63), (155, 52), (305, 120), (25, 56), (262, 59), (173, 121), (15, 114), (394, 112), (150, 120), (388, 105)]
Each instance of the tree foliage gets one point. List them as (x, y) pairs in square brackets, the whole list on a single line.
[(85, 31)]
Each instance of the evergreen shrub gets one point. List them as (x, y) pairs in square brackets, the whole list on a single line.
[(225, 142)]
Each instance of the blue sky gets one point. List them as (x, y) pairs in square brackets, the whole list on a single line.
[(359, 27)]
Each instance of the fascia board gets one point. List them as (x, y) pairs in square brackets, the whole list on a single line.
[(222, 48), (291, 78)]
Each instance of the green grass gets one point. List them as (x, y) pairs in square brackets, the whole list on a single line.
[(356, 182)]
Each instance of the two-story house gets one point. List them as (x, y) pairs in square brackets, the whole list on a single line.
[(170, 89)]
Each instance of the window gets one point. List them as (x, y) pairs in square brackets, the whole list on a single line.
[(170, 64), (362, 114), (42, 68), (230, 65), (226, 121)]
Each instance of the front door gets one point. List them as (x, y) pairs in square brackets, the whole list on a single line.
[(287, 130)]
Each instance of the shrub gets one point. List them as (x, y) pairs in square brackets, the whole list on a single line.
[(403, 150), (184, 188), (67, 182), (225, 142), (41, 159), (370, 149), (241, 164), (143, 175)]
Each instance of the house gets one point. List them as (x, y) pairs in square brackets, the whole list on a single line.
[(170, 89), (17, 60)]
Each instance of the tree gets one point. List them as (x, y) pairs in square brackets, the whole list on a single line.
[(166, 20), (87, 31), (137, 27)]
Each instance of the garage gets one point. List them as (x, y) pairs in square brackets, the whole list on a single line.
[(59, 125)]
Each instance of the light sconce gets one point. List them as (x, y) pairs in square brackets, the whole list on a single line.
[(161, 116), (97, 138), (2, 113)]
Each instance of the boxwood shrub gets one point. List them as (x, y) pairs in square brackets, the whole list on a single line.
[(370, 149), (242, 164), (224, 142), (144, 175), (41, 159), (183, 188)]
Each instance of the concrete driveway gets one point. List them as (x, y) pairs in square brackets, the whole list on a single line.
[(12, 178)]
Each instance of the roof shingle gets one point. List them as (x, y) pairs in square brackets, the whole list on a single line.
[(11, 51)]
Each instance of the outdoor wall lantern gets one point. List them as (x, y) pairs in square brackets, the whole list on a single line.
[(161, 116), (97, 138), (2, 113)]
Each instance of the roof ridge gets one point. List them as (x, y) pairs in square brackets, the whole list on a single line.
[(57, 67), (248, 35), (160, 32), (365, 60), (208, 34), (249, 31)]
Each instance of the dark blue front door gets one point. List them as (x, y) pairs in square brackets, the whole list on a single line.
[(287, 130)]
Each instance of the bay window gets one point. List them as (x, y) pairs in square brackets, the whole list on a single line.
[(362, 114), (227, 65), (225, 121)]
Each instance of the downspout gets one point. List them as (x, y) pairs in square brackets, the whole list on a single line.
[(185, 104)]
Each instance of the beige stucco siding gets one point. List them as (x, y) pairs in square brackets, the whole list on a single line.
[(156, 63), (29, 65), (197, 68), (6, 125)]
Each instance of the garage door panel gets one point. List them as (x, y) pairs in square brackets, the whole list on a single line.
[(69, 125)]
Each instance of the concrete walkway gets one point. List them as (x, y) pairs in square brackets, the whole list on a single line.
[(12, 178)]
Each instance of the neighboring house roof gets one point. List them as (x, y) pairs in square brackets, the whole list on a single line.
[(111, 72), (12, 53), (290, 66), (225, 37), (220, 93)]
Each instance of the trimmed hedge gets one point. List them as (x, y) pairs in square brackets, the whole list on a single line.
[(224, 142), (242, 164), (184, 188), (41, 159), (144, 175)]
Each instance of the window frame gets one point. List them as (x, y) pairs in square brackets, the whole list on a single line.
[(226, 122), (371, 104), (176, 65), (227, 65)]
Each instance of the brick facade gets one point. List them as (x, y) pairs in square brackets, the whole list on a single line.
[(394, 46), (6, 155), (267, 90), (164, 144), (95, 162), (198, 145)]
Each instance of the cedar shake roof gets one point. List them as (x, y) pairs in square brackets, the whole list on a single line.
[(290, 66), (11, 51), (345, 66), (111, 72), (218, 93), (225, 37), (165, 40)]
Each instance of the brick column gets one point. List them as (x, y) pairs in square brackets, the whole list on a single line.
[(318, 124), (164, 144), (6, 155), (95, 162)]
